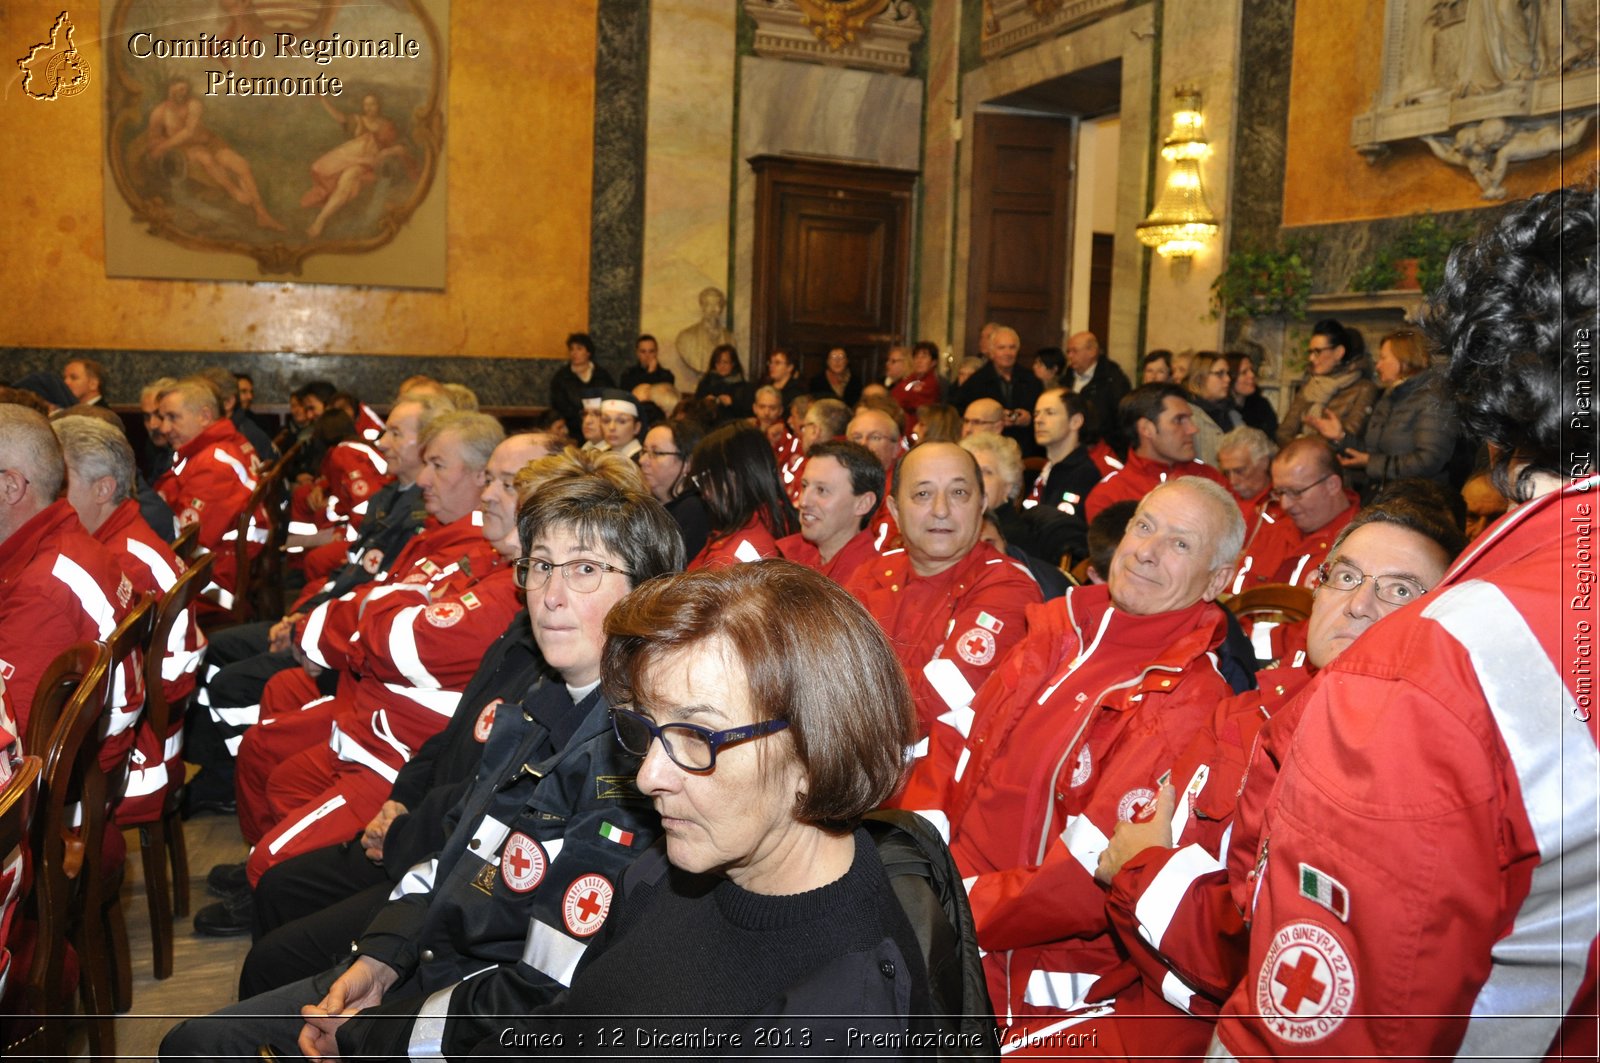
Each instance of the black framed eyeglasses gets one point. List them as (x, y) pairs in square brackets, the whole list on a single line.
[(689, 746), (1344, 577), (651, 452), (581, 574)]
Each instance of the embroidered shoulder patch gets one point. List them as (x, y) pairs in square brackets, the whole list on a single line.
[(444, 614), (1307, 985)]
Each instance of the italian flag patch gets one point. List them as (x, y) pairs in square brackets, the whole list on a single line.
[(1319, 887), (616, 834), (994, 625)]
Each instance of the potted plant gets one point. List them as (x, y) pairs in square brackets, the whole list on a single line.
[(1274, 283), (1414, 259)]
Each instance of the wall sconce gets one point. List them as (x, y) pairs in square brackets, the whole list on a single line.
[(1182, 222)]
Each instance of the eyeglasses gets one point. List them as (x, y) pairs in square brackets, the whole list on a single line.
[(581, 574), (689, 746), (1293, 493), (1314, 351), (650, 452), (872, 438), (970, 421), (1345, 577)]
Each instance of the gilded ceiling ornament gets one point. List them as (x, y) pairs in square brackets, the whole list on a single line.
[(836, 22)]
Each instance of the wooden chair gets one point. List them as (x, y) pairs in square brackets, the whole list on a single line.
[(16, 804), (259, 580), (131, 636), (67, 711), (1282, 603), (162, 841), (1079, 574), (187, 544)]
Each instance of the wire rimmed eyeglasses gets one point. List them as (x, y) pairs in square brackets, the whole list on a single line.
[(582, 574), (689, 746), (1344, 577)]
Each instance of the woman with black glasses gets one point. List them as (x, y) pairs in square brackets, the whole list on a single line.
[(1340, 383), (664, 461)]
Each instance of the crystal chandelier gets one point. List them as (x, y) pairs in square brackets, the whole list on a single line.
[(1182, 222)]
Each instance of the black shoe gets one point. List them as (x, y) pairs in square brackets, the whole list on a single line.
[(225, 880), (227, 918), (195, 806)]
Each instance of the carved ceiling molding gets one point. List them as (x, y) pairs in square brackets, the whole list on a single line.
[(871, 34), (1012, 24), (1484, 85)]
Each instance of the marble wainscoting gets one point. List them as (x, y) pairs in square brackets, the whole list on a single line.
[(373, 378), (1266, 49), (840, 115), (616, 253)]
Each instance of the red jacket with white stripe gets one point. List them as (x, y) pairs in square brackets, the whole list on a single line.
[(1427, 883), (59, 586), (950, 630), (352, 472), (1138, 476), (152, 566), (417, 649), (439, 553), (209, 484), (1061, 744), (750, 543), (1279, 552), (1177, 910), (16, 872)]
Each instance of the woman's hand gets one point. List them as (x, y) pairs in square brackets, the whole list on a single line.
[(362, 986), (1327, 425), (1354, 459), (378, 829)]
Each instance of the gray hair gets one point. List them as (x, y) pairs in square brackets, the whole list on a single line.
[(197, 393), (28, 445), (93, 449), (434, 405), (1254, 441), (1225, 551), (156, 388), (478, 432), (1007, 455)]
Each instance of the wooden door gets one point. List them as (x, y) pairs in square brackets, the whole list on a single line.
[(1021, 207), (832, 262)]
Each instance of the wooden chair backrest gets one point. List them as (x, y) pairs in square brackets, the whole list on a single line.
[(1272, 601), (173, 604)]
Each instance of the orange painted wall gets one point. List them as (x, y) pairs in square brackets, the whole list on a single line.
[(1338, 56), (521, 131)]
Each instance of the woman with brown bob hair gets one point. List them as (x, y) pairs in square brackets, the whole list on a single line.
[(765, 898)]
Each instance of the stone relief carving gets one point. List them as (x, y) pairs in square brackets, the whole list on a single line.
[(1484, 84), (871, 34), (1012, 24)]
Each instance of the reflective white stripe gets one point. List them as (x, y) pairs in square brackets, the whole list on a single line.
[(360, 508), (918, 750), (1084, 841), (1010, 1044), (1166, 891), (1538, 967), (419, 878), (938, 820), (1215, 1053), (1299, 568), (98, 608), (372, 454), (1067, 990), (302, 527), (148, 555), (1244, 568), (961, 762), (550, 952), (332, 804), (403, 647), (351, 751), (1261, 639), (486, 839), (148, 780), (947, 680), (443, 702), (427, 1033), (223, 598), (242, 716), (1177, 991), (313, 635), (746, 552), (238, 470)]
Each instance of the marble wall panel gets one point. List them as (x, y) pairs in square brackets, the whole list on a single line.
[(936, 260), (616, 249), (689, 171)]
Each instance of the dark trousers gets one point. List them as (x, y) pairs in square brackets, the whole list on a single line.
[(308, 910)]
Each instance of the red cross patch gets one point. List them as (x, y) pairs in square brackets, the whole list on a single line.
[(1133, 802), (522, 863), (976, 646), (444, 614), (485, 724), (372, 560), (585, 905), (1307, 984)]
